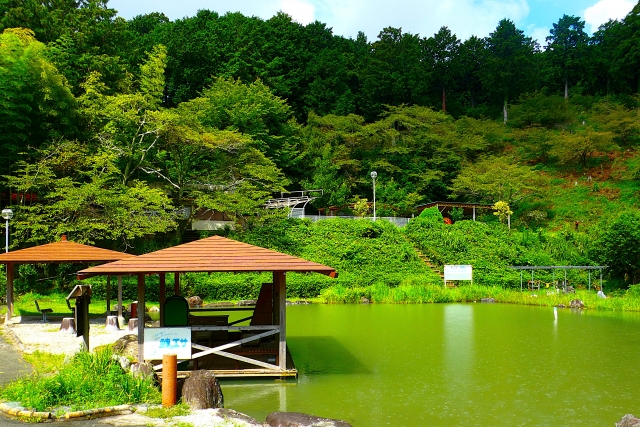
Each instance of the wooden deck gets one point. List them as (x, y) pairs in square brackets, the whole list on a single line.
[(224, 367)]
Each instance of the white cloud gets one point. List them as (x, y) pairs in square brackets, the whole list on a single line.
[(300, 11), (604, 10), (425, 17), (540, 34)]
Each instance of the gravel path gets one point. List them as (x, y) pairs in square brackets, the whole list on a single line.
[(33, 335)]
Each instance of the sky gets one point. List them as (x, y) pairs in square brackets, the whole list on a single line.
[(424, 17)]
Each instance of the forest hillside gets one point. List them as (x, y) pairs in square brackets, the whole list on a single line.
[(117, 132)]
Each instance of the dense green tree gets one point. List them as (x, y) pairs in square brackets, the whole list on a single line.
[(579, 145), (81, 194), (443, 48), (36, 105), (495, 179), (619, 246), (394, 73), (626, 68), (509, 71), (471, 59), (254, 110), (566, 49)]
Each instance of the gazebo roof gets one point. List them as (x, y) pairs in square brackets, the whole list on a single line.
[(213, 254), (63, 251), (454, 205)]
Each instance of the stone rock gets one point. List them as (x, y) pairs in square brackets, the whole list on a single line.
[(125, 363), (628, 421), (154, 309), (570, 290), (142, 370), (365, 300), (201, 390), (299, 302), (215, 417), (112, 324), (488, 300), (601, 294), (560, 306), (296, 419), (576, 303), (127, 346), (247, 302), (68, 325), (194, 302)]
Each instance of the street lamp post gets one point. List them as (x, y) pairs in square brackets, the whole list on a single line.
[(374, 175), (7, 214)]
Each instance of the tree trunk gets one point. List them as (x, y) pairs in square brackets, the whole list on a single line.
[(566, 87), (444, 101), (505, 115)]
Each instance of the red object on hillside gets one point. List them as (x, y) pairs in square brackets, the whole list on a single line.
[(447, 220)]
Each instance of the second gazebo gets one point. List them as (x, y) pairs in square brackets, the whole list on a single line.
[(218, 254)]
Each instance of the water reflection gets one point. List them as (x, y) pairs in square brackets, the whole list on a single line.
[(451, 364), (458, 345), (323, 355)]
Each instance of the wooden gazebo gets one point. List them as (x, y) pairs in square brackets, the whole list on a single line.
[(469, 209), (219, 254), (60, 252)]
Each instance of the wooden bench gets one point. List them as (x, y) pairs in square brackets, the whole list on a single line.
[(43, 311)]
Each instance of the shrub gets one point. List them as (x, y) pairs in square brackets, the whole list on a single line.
[(89, 380)]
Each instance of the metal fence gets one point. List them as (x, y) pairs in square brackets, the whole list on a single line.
[(400, 222)]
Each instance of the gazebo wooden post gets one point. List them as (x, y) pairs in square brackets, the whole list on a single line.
[(108, 295), (9, 291), (141, 315), (176, 284), (279, 287), (163, 292), (119, 296)]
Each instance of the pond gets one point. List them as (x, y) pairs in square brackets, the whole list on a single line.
[(453, 364)]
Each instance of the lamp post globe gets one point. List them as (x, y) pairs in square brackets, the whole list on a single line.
[(7, 214), (374, 175)]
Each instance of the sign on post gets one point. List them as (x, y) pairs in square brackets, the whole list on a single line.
[(161, 341), (458, 272)]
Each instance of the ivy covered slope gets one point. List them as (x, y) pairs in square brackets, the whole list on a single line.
[(491, 248), (362, 252)]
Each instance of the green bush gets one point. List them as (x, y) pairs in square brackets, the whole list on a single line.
[(89, 380)]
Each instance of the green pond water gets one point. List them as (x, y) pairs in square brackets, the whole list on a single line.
[(453, 364)]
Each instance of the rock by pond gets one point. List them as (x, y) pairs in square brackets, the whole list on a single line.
[(201, 390), (628, 421), (576, 303), (297, 419)]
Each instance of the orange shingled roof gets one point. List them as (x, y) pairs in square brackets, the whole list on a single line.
[(63, 251), (208, 255)]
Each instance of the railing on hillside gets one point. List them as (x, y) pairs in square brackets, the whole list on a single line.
[(400, 222)]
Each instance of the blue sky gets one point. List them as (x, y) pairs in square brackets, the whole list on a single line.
[(464, 17)]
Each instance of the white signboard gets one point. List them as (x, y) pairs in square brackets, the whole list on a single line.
[(458, 272), (161, 341)]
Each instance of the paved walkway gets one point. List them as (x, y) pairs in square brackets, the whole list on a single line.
[(13, 365)]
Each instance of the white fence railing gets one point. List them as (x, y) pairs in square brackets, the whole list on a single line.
[(400, 222)]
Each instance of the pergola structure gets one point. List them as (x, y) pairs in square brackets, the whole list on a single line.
[(60, 252), (219, 254), (469, 209), (553, 268)]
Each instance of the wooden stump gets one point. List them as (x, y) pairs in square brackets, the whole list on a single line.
[(112, 324), (133, 324), (68, 325)]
